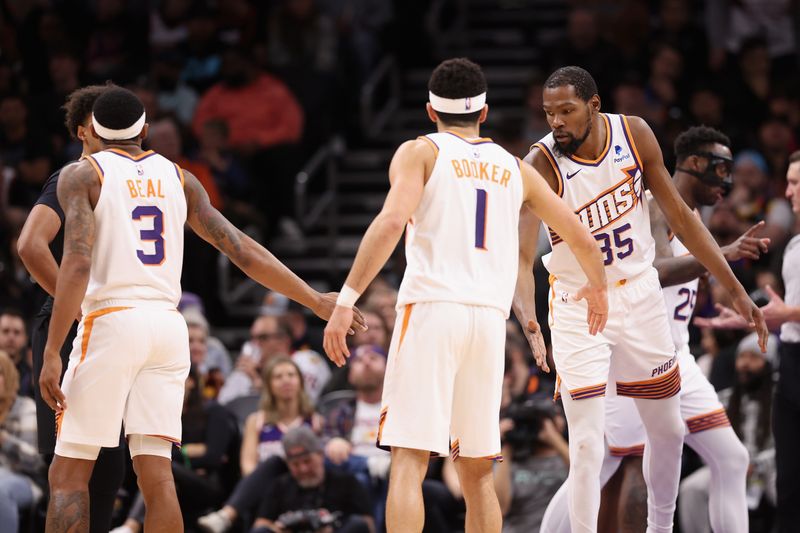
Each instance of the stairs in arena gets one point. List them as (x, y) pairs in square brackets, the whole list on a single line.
[(507, 37)]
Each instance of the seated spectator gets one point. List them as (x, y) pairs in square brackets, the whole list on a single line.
[(14, 342), (174, 96), (271, 336), (312, 495), (201, 466), (749, 407), (229, 173), (205, 356), (284, 405), (259, 109), (22, 469)]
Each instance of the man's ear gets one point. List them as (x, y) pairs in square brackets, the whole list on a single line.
[(431, 113)]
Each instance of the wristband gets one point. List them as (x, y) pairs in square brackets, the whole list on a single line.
[(347, 297)]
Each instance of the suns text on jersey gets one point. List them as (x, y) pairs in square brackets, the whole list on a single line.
[(612, 204), (464, 168)]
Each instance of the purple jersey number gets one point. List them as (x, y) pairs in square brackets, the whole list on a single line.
[(691, 298), (624, 245), (480, 219), (156, 234)]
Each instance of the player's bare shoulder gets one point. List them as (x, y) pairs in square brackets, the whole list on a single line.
[(80, 178), (538, 160), (415, 153)]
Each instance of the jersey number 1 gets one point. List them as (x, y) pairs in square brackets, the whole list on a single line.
[(156, 234), (480, 219)]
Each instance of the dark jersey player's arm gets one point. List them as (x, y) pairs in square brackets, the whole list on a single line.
[(41, 227), (672, 270), (247, 254)]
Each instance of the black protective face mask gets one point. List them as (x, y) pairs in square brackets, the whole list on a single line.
[(717, 172)]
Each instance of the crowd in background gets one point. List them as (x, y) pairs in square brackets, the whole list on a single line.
[(241, 92)]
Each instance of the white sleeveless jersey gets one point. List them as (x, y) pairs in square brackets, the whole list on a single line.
[(680, 300), (139, 217), (607, 194), (462, 242)]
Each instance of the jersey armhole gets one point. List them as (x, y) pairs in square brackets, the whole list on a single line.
[(431, 143), (629, 137), (179, 172), (556, 170), (97, 168)]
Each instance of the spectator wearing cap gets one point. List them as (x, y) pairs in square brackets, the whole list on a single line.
[(314, 488), (749, 407)]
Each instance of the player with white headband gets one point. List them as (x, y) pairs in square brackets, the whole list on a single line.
[(458, 196)]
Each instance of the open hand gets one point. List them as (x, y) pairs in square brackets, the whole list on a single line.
[(325, 307), (597, 306), (335, 340), (533, 332), (50, 380), (754, 317)]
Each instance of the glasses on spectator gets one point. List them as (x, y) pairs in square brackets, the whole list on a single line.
[(264, 337)]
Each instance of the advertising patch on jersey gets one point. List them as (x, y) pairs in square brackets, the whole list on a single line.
[(564, 296), (618, 155)]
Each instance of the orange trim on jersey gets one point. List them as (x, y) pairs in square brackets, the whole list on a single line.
[(455, 449), (477, 140), (97, 168), (180, 174), (714, 419), (59, 420), (664, 386), (629, 451), (88, 324), (381, 422), (404, 327), (542, 148), (431, 143), (605, 149), (631, 142), (137, 157), (551, 279), (592, 391), (497, 457)]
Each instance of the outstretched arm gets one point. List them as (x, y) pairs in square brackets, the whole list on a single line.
[(688, 228), (546, 205), (75, 186), (247, 254), (674, 270), (407, 172)]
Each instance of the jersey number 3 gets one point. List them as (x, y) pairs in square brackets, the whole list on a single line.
[(156, 234)]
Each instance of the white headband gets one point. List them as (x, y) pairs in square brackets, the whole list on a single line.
[(457, 106), (116, 135)]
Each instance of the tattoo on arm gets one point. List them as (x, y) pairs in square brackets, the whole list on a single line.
[(73, 195), (68, 512), (210, 224)]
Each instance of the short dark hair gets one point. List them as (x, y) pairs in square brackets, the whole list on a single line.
[(458, 78), (794, 157), (78, 106), (117, 109), (580, 79), (12, 312), (692, 140)]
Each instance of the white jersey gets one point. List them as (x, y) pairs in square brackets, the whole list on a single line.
[(462, 241), (607, 194), (139, 217), (680, 300)]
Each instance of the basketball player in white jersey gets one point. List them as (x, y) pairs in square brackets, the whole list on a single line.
[(458, 196), (125, 211), (701, 177), (600, 164)]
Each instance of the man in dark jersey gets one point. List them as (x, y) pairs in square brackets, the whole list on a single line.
[(40, 247)]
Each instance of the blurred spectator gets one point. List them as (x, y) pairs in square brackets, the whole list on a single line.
[(777, 141), (383, 300), (17, 138), (312, 489), (377, 333), (174, 96), (21, 467), (230, 176), (749, 407), (165, 138), (116, 40), (202, 51), (753, 198), (300, 36), (168, 23), (205, 355), (361, 24), (750, 84), (14, 342), (259, 109), (677, 25), (536, 125)]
